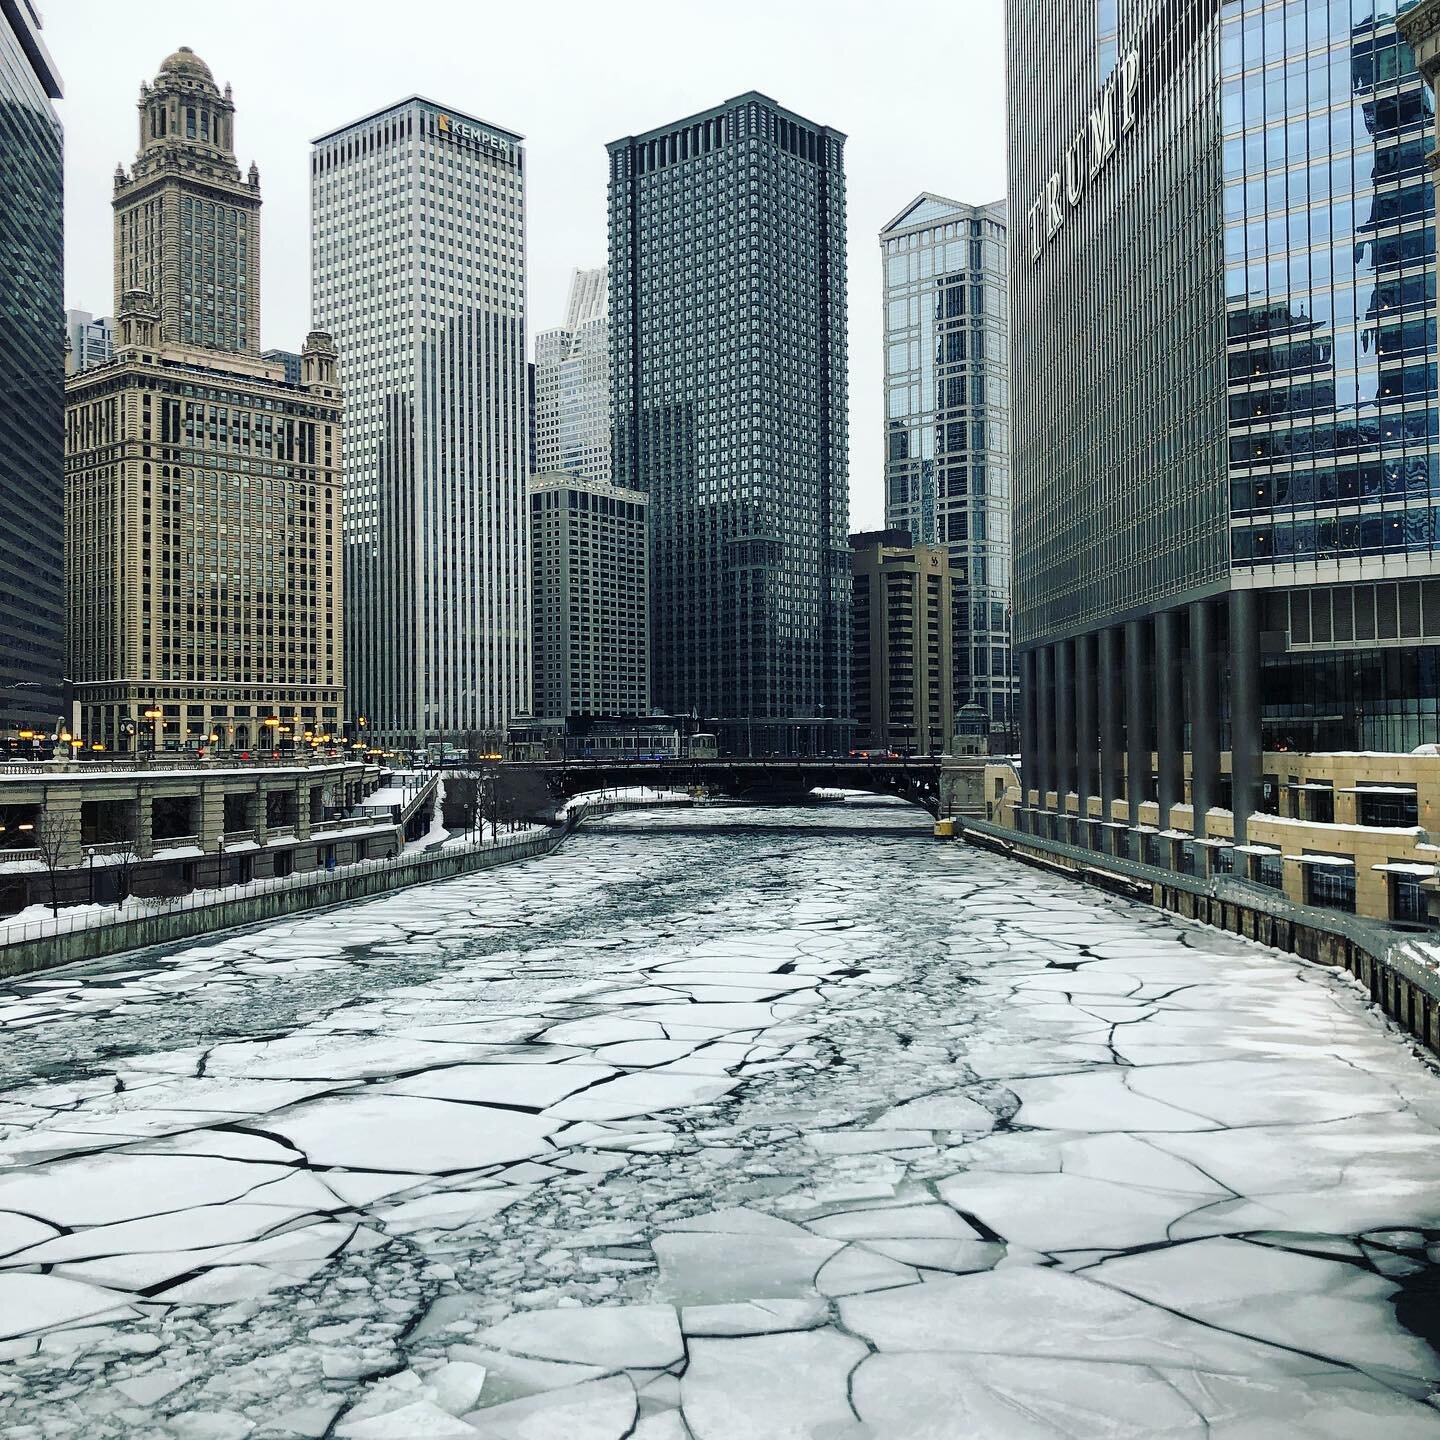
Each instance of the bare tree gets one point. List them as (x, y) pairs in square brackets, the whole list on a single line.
[(126, 851), (55, 837), (521, 795)]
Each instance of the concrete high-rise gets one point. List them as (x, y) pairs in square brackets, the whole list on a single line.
[(203, 492), (418, 270), (947, 423), (904, 629), (572, 385), (91, 340), (727, 322), (32, 369), (589, 598)]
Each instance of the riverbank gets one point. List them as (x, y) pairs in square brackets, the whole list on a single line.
[(46, 945), (1397, 968)]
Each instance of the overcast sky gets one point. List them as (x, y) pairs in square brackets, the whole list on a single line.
[(917, 85)]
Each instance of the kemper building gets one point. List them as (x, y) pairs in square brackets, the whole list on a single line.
[(947, 429), (203, 492), (727, 326), (1223, 343), (418, 270)]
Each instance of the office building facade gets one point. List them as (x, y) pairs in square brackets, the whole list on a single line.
[(32, 368), (907, 598), (203, 492), (572, 385), (727, 322), (290, 361), (589, 598), (90, 340), (947, 426), (418, 270), (1223, 287)]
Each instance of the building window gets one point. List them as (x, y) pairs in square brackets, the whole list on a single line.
[(1331, 886)]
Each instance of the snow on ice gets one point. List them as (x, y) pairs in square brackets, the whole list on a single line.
[(691, 1132)]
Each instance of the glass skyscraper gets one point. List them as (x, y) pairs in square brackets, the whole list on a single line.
[(1331, 348), (32, 379), (727, 306), (947, 429), (572, 385), (1223, 305), (418, 270)]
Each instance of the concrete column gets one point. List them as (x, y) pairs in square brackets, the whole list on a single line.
[(1139, 716), (256, 808), (144, 827), (1045, 720), (1087, 740), (1169, 735), (1110, 684), (212, 815), (61, 821), (1245, 748), (1064, 720), (1204, 713), (1029, 738), (302, 810)]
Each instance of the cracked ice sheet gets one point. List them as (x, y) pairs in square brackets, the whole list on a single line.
[(706, 1191)]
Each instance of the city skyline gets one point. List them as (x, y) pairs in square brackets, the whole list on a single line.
[(893, 152)]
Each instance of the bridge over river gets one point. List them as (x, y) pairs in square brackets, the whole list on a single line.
[(762, 778)]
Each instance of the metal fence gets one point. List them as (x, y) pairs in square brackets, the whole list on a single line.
[(401, 870), (142, 908)]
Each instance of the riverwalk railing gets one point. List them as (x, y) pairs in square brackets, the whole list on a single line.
[(43, 944)]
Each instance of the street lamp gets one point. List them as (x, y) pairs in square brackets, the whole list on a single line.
[(155, 716)]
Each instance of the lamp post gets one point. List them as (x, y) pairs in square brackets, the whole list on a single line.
[(155, 715)]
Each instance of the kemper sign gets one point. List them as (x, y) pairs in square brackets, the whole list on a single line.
[(459, 130), (1087, 154)]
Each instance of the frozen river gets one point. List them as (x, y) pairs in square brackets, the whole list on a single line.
[(732, 1124)]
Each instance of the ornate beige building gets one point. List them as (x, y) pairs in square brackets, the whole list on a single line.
[(187, 227), (202, 491)]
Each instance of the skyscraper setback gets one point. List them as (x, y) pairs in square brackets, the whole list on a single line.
[(572, 385), (727, 302), (418, 265)]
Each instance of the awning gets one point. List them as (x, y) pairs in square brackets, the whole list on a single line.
[(1406, 867), (1176, 835), (1338, 862), (1309, 785), (1381, 790), (1256, 850), (1214, 841)]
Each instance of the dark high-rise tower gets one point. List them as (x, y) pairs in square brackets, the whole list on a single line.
[(727, 306), (32, 379)]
